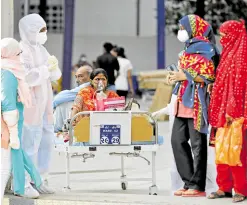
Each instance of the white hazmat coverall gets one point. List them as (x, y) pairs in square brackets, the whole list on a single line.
[(41, 70)]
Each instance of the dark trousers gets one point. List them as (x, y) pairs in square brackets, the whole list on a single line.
[(122, 93), (192, 171)]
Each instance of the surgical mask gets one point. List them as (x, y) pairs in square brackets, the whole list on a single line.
[(183, 36), (42, 38)]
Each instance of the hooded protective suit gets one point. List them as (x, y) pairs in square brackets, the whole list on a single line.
[(41, 69)]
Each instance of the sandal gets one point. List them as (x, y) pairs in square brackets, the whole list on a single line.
[(238, 198), (194, 193), (180, 192), (217, 195)]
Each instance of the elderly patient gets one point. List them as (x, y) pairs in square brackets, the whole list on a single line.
[(82, 77), (64, 100), (85, 99)]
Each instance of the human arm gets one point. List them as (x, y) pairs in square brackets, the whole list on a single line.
[(169, 109), (116, 65), (8, 106), (129, 77), (77, 106), (64, 96), (67, 95), (73, 113), (163, 111), (61, 114), (196, 68), (34, 74), (55, 72), (181, 76), (210, 88)]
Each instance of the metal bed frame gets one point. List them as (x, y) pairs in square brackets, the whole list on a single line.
[(89, 151)]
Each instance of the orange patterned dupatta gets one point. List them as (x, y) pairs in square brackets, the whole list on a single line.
[(84, 100), (196, 60)]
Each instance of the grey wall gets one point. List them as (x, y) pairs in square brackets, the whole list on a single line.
[(114, 17), (141, 51), (97, 21)]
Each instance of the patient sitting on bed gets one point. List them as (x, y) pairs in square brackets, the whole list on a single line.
[(85, 99)]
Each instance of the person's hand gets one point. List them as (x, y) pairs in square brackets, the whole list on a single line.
[(210, 88), (74, 123), (132, 93), (11, 119), (53, 63), (168, 80), (229, 120), (178, 76), (66, 136), (14, 141)]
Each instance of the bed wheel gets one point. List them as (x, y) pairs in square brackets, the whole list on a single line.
[(124, 185), (153, 190)]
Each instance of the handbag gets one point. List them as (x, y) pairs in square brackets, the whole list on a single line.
[(229, 142)]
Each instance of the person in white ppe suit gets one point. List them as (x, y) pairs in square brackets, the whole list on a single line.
[(41, 69), (176, 181)]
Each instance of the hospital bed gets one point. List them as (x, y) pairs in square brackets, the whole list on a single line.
[(118, 133)]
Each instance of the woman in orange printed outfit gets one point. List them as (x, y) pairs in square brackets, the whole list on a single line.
[(196, 72), (85, 99)]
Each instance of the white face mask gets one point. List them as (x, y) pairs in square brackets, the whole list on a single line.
[(183, 36), (42, 38)]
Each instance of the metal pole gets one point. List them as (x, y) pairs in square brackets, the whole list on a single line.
[(42, 8), (200, 8), (122, 166), (11, 19), (26, 7), (153, 168), (160, 34), (67, 170), (137, 17), (68, 42), (7, 19)]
